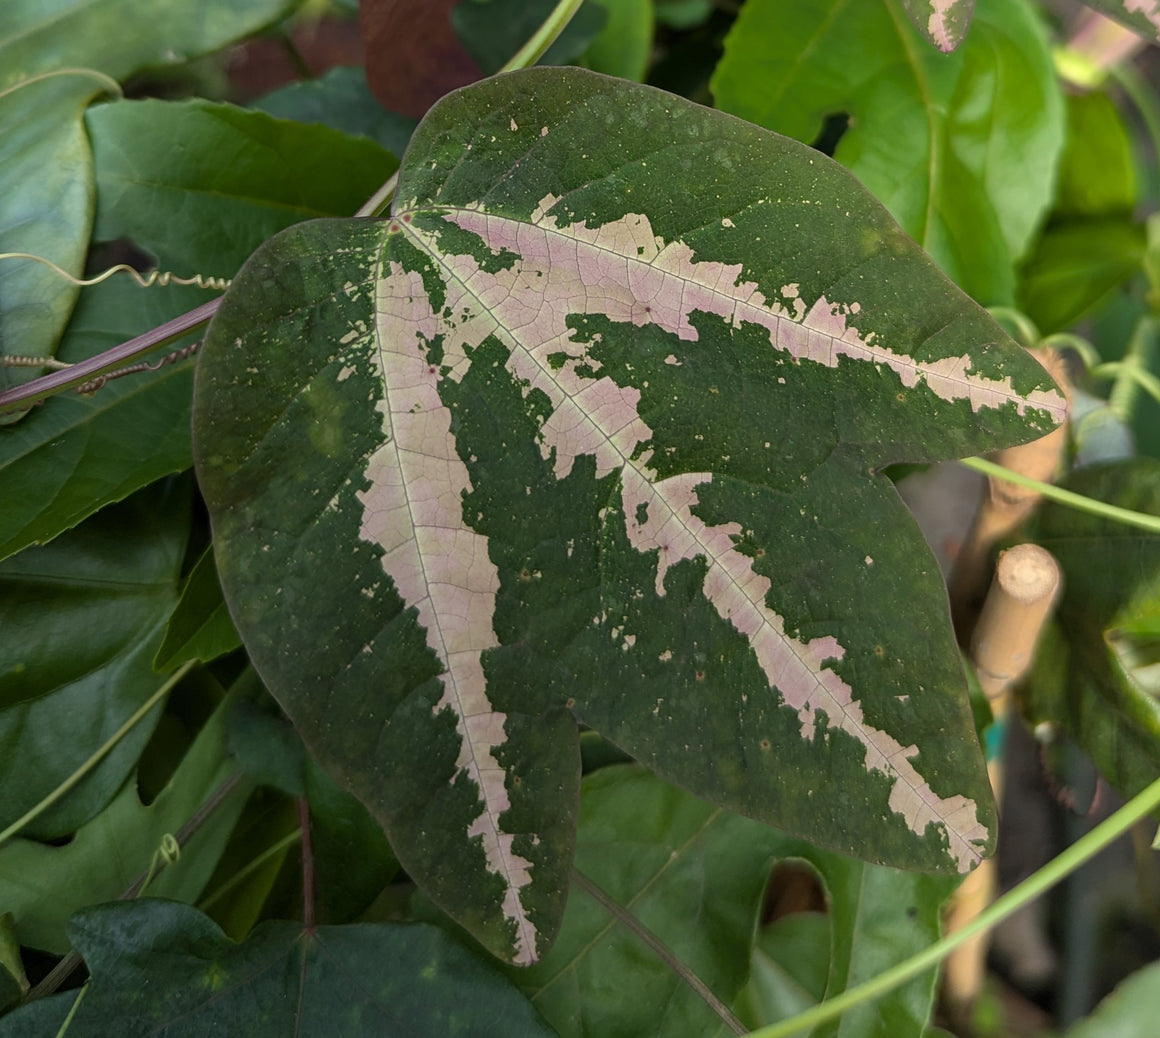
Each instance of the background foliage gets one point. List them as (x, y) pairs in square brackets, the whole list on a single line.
[(130, 713)]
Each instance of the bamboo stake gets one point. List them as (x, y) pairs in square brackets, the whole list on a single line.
[(1023, 593), (1003, 508)]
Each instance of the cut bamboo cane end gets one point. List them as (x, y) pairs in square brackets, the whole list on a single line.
[(1023, 592), (1029, 574)]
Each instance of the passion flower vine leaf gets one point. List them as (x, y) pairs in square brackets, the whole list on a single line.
[(592, 429), (1141, 16), (943, 22)]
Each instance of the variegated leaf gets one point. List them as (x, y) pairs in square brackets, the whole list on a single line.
[(592, 429), (943, 22), (1141, 16)]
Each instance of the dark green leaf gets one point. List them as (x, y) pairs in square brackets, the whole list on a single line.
[(492, 31), (43, 885), (1095, 673), (80, 620), (200, 627), (961, 148), (162, 179), (341, 100), (568, 437), (353, 860), (943, 22), (77, 454), (695, 875), (162, 967)]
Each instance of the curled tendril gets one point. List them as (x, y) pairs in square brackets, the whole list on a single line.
[(147, 280)]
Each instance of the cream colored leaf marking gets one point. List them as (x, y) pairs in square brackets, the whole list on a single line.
[(936, 26), (623, 271), (1150, 9), (413, 511)]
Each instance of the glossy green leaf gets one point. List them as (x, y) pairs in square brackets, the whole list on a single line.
[(80, 620), (943, 22), (43, 885), (1096, 673), (960, 148), (200, 627), (161, 967), (590, 429), (201, 215), (46, 201), (54, 59), (624, 45), (341, 100), (695, 876), (75, 454), (1141, 16), (1128, 1012)]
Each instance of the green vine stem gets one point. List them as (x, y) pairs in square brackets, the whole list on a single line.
[(1136, 810), (544, 36), (1143, 520), (97, 756)]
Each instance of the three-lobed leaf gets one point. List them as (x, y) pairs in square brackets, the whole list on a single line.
[(591, 429)]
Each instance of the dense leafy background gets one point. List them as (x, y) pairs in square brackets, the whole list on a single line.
[(108, 583)]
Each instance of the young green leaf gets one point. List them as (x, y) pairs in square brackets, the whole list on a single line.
[(1128, 1012), (943, 22), (969, 190), (159, 967), (591, 428)]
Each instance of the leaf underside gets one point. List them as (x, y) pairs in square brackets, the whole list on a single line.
[(590, 430)]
